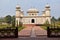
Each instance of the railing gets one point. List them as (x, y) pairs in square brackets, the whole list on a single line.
[(9, 32), (53, 32)]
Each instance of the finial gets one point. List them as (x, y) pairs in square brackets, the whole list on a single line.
[(47, 6), (18, 6)]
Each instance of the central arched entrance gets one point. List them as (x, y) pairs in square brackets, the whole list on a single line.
[(32, 21)]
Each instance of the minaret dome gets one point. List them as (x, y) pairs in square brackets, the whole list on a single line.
[(47, 6), (17, 6)]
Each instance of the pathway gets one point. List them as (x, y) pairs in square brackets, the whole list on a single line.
[(25, 32), (34, 31), (39, 31)]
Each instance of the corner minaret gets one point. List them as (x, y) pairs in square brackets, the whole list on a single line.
[(21, 13), (47, 10), (47, 13), (17, 15), (17, 11)]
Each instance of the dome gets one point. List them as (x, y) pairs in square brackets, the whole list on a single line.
[(47, 6), (18, 6), (32, 10)]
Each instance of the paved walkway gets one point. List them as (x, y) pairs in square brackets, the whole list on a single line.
[(39, 31), (32, 31), (25, 32)]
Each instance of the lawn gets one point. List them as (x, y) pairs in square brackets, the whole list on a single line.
[(20, 28), (45, 27), (53, 24), (56, 24), (5, 26)]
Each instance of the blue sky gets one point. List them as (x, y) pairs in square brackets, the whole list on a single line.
[(7, 7)]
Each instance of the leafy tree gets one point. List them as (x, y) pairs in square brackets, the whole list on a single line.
[(46, 22), (8, 19), (59, 19), (20, 24), (1, 21), (13, 21), (53, 19)]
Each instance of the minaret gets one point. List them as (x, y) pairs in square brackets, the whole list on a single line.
[(21, 13), (47, 13), (47, 10), (17, 15)]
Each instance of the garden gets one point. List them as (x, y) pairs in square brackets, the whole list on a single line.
[(54, 23), (9, 21)]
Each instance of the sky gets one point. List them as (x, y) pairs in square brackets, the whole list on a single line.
[(8, 7)]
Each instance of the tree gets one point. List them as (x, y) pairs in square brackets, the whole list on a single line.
[(8, 19), (46, 23), (1, 21), (53, 19), (13, 21), (20, 24), (59, 19)]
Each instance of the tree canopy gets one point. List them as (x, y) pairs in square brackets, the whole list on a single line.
[(59, 19), (8, 19), (53, 19), (13, 21)]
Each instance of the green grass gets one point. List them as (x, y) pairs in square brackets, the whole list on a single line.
[(44, 27), (56, 25), (20, 28), (5, 26)]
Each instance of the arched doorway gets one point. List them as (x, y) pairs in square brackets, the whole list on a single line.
[(32, 21)]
